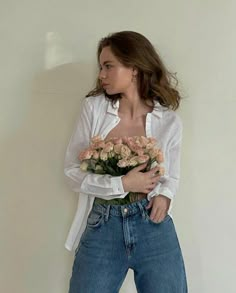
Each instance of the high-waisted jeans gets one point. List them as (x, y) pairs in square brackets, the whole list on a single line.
[(122, 237)]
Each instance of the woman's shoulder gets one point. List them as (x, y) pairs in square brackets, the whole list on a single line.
[(96, 102), (172, 117), (96, 99)]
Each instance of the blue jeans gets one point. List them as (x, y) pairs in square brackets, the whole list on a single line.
[(122, 237)]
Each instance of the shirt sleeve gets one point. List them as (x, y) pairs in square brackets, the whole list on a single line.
[(99, 185), (169, 182)]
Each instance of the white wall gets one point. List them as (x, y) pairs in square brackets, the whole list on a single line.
[(47, 58)]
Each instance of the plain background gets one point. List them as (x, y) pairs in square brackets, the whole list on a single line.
[(47, 65)]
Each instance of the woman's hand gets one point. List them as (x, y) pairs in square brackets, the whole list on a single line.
[(137, 181), (160, 205)]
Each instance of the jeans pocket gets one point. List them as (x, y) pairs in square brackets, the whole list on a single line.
[(148, 213), (95, 219)]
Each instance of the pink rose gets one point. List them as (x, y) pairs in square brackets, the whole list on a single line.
[(98, 145), (85, 155), (95, 154), (123, 163), (134, 147), (130, 141), (117, 140), (143, 159), (125, 139)]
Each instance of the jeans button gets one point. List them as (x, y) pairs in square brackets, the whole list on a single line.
[(125, 210)]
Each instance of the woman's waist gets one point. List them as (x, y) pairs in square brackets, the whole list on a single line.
[(129, 198)]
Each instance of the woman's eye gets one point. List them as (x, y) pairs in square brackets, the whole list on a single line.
[(107, 66)]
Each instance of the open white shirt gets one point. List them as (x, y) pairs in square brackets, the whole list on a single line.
[(98, 117)]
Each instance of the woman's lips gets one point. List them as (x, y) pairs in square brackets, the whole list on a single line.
[(105, 84)]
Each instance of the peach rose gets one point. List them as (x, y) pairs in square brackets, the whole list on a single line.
[(103, 155), (152, 140), (133, 161), (140, 152), (111, 154), (137, 141), (96, 138), (108, 147), (149, 145), (143, 141), (125, 151), (160, 157), (117, 148), (153, 153)]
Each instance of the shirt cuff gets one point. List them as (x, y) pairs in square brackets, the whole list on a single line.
[(117, 185), (160, 190)]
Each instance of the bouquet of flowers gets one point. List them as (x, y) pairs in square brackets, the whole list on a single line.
[(117, 156)]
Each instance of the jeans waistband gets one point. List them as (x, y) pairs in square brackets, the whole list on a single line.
[(120, 210)]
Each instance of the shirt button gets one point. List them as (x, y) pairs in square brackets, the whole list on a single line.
[(125, 210)]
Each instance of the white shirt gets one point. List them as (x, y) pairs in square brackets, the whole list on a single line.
[(98, 117)]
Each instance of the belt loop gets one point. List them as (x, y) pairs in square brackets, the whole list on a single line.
[(107, 213), (141, 210)]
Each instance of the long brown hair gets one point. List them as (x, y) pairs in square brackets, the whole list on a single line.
[(154, 81)]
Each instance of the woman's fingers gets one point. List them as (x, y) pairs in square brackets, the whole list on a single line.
[(158, 216), (149, 204), (140, 167), (153, 171), (160, 207)]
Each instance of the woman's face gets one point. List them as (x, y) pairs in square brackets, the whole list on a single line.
[(114, 76)]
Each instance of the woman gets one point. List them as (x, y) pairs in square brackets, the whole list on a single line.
[(133, 97)]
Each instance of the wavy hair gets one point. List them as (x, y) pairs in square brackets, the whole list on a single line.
[(154, 81)]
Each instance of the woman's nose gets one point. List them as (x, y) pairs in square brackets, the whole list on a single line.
[(102, 74)]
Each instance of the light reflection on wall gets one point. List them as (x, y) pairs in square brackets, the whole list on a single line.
[(56, 51)]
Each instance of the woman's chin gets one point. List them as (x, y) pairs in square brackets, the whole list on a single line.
[(111, 92)]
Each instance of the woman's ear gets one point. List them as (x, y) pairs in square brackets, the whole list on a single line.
[(135, 71)]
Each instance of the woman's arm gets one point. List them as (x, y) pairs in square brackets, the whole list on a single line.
[(103, 186)]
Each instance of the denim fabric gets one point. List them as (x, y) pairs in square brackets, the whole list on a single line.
[(122, 237)]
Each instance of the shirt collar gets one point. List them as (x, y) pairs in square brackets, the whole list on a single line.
[(157, 111)]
